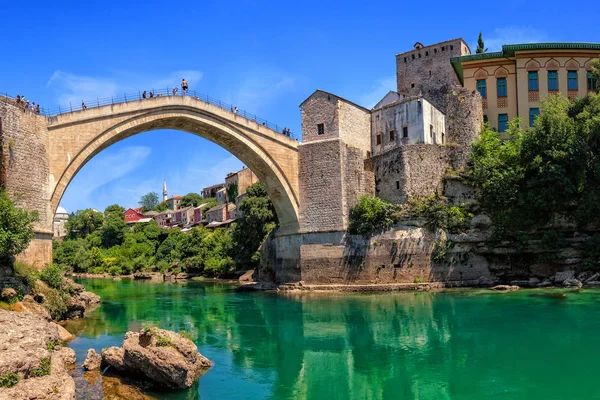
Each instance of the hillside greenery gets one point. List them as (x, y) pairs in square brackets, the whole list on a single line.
[(112, 247)]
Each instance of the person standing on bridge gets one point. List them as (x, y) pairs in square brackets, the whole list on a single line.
[(184, 86), (83, 106), (175, 91), (143, 95)]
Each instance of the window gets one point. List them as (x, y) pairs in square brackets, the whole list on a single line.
[(413, 56), (320, 129), (442, 48), (419, 55), (435, 51), (397, 184), (405, 131), (572, 80), (591, 81), (431, 131), (552, 80), (501, 82), (533, 113), (426, 53), (378, 138), (533, 80), (502, 122), (485, 119), (392, 136), (412, 85), (404, 59), (451, 47), (482, 88)]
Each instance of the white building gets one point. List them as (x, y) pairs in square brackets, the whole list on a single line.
[(59, 223)]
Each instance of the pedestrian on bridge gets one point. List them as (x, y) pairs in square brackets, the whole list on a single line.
[(143, 95), (184, 86), (83, 106), (175, 91)]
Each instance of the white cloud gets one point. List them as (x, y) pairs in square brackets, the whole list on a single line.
[(377, 91), (88, 188), (512, 35)]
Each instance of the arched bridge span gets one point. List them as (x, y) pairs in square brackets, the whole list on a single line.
[(76, 137)]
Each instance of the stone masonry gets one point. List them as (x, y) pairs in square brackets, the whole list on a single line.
[(25, 173)]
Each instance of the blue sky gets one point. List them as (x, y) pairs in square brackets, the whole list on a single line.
[(264, 57)]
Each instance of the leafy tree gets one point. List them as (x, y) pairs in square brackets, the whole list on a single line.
[(114, 208), (113, 230), (149, 201), (16, 229), (83, 222), (232, 191), (191, 199), (257, 220), (480, 45), (370, 214), (162, 206)]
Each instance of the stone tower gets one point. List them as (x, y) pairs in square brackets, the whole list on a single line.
[(165, 193)]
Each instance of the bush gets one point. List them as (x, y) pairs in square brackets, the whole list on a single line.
[(163, 341), (16, 229), (370, 214), (52, 275), (438, 215), (9, 380), (55, 302)]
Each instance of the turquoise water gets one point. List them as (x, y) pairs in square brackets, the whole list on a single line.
[(449, 345)]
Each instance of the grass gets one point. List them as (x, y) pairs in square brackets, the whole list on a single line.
[(43, 369), (418, 279), (186, 334), (9, 380), (163, 342)]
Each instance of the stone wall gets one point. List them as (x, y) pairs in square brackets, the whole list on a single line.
[(355, 126), (426, 68), (25, 173), (410, 171), (464, 122), (320, 180), (320, 108)]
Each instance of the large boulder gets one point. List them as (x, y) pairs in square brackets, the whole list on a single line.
[(92, 361), (572, 282), (80, 303), (165, 358), (504, 288), (562, 276), (28, 304), (247, 276)]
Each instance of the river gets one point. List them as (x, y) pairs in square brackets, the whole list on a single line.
[(468, 344)]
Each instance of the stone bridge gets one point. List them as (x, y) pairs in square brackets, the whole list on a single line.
[(312, 184), (41, 155)]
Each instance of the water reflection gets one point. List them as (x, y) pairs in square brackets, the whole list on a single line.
[(389, 346)]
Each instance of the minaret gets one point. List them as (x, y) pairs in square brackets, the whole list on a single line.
[(165, 193)]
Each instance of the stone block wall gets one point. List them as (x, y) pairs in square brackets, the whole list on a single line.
[(410, 171), (320, 181), (464, 121), (426, 68), (320, 108), (355, 126), (25, 172)]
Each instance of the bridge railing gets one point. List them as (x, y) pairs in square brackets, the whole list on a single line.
[(128, 97)]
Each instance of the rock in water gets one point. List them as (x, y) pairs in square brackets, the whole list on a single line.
[(247, 276), (92, 361), (572, 282), (163, 357), (504, 288)]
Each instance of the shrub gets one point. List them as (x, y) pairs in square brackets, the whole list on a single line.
[(439, 215), (55, 302), (370, 214), (9, 379), (419, 279), (16, 229), (43, 369), (52, 275)]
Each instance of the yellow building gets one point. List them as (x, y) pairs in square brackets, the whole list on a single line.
[(512, 82)]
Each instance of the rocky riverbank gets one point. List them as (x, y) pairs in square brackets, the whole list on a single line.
[(33, 363)]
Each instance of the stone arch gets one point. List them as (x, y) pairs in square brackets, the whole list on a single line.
[(552, 64), (532, 65), (481, 74), (572, 64), (501, 72), (249, 146)]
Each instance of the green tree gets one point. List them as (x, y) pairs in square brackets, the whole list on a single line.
[(370, 214), (480, 45), (114, 208), (149, 201), (257, 220), (113, 230), (162, 206), (191, 199), (16, 229), (83, 222)]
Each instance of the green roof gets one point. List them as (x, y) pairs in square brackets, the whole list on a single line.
[(508, 50)]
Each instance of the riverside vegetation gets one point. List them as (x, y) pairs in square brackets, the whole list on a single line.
[(100, 243)]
